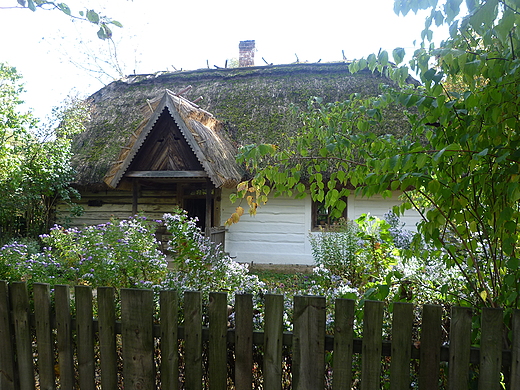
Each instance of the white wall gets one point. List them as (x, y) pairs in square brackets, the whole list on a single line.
[(278, 233)]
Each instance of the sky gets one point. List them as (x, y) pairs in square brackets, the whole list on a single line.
[(56, 55)]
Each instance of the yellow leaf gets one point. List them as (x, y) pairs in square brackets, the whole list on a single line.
[(249, 200), (235, 218), (240, 211), (243, 186), (483, 295)]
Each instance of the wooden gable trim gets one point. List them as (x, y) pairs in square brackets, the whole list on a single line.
[(166, 174), (188, 136), (137, 144)]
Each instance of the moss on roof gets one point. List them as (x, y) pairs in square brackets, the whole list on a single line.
[(254, 104)]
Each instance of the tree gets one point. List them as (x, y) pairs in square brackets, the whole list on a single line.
[(34, 161), (103, 22), (460, 164)]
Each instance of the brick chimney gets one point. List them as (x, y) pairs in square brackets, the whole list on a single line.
[(246, 55)]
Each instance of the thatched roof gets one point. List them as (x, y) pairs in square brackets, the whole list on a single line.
[(254, 104), (200, 130)]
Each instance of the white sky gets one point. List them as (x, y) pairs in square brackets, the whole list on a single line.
[(158, 35)]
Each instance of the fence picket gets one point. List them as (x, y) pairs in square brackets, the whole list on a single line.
[(193, 340), (491, 348), (137, 337), (243, 341), (85, 337), (430, 347), (372, 345), (45, 342), (64, 336), (343, 343), (169, 306), (22, 333), (107, 337), (217, 359), (273, 334), (308, 363), (515, 352), (460, 345), (401, 346), (7, 364)]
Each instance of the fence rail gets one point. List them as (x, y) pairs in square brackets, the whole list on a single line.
[(47, 348)]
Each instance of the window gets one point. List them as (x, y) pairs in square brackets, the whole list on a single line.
[(321, 217)]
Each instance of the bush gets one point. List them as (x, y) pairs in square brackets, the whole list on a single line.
[(200, 264), (118, 254), (361, 251), (336, 247)]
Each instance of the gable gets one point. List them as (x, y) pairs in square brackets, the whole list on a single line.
[(165, 149), (177, 140)]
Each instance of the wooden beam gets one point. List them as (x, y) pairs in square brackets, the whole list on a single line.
[(135, 195), (208, 221), (173, 174)]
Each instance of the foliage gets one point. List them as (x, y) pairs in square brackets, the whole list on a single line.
[(461, 157), (335, 248), (401, 237), (201, 264), (34, 161), (361, 252), (88, 15), (118, 254)]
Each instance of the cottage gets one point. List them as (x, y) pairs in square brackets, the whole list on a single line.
[(169, 139)]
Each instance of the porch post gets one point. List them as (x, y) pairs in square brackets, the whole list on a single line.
[(208, 222), (135, 195)]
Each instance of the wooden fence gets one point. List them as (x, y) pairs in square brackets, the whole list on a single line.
[(48, 348)]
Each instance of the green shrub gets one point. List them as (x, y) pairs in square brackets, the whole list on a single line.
[(335, 248), (119, 253), (200, 264)]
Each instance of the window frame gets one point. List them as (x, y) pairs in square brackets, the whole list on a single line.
[(315, 225)]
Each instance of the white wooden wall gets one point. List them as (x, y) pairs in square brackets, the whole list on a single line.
[(278, 233)]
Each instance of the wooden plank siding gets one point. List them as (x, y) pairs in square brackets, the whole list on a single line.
[(170, 345), (279, 232), (100, 206)]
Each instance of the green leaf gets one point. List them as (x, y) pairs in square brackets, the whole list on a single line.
[(104, 32), (439, 154), (428, 75), (513, 263), (383, 57), (398, 53), (421, 160), (485, 15), (266, 149), (116, 23), (93, 17), (452, 9), (482, 153), (372, 62), (434, 186), (64, 8), (31, 5)]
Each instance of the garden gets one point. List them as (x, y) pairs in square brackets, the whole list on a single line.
[(362, 260)]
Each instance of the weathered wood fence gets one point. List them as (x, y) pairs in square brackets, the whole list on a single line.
[(47, 348)]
